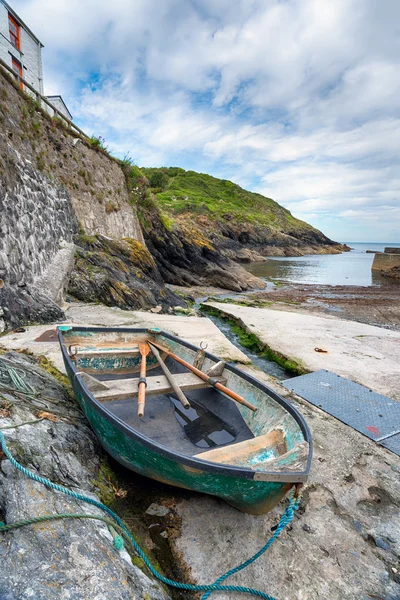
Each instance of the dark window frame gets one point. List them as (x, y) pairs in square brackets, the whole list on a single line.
[(17, 68)]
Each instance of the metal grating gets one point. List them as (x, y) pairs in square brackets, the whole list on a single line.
[(392, 443), (372, 414)]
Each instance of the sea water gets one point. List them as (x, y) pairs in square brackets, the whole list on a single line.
[(348, 268)]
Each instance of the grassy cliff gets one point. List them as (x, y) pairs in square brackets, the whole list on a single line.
[(181, 192)]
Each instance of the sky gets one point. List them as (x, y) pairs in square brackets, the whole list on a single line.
[(296, 99)]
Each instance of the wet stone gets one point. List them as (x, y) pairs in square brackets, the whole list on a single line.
[(157, 510)]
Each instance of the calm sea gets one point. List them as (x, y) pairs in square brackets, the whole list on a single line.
[(349, 268)]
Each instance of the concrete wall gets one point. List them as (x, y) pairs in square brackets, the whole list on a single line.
[(29, 56), (384, 262)]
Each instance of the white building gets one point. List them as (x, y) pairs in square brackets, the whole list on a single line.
[(21, 50)]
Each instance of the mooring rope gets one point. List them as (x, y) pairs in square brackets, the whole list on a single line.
[(16, 377), (126, 535)]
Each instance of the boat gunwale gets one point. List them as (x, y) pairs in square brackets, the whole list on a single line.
[(192, 461)]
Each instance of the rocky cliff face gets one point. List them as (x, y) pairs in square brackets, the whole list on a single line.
[(185, 256), (52, 185), (119, 273)]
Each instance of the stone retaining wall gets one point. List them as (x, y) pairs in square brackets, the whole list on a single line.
[(386, 261), (51, 185)]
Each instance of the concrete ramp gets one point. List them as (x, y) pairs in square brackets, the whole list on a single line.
[(372, 414)]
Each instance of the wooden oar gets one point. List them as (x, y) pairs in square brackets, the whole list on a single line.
[(180, 395), (207, 378), (144, 350)]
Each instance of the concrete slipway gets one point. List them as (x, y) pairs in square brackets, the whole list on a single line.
[(363, 353), (192, 329), (344, 543)]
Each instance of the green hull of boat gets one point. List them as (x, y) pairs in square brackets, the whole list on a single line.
[(239, 487)]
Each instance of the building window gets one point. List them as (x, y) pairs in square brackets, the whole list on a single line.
[(17, 67), (15, 32)]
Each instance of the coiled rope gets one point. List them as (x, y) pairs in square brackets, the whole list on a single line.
[(13, 378)]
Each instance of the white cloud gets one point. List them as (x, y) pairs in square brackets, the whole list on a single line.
[(296, 99)]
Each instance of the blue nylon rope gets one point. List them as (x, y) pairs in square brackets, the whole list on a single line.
[(215, 587)]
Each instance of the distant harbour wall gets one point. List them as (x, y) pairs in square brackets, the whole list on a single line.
[(386, 260)]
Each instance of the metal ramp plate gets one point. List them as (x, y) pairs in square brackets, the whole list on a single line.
[(372, 414)]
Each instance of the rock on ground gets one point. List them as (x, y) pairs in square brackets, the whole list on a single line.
[(344, 542), (363, 353), (394, 273), (69, 559), (119, 273)]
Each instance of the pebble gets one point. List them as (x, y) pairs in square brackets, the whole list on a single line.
[(380, 543), (157, 510)]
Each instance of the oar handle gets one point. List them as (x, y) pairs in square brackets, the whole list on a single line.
[(180, 395), (141, 398), (142, 387)]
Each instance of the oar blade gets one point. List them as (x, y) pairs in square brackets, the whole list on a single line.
[(144, 348)]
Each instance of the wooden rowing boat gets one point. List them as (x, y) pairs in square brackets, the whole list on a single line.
[(249, 454)]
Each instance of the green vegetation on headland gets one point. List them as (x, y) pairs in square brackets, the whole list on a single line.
[(179, 191)]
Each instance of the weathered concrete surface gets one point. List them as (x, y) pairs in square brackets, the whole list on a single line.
[(363, 353), (345, 539), (192, 329), (55, 278), (69, 559)]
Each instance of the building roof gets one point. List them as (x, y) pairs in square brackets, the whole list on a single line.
[(20, 21), (50, 98)]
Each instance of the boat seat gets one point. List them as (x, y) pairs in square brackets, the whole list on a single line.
[(127, 388), (266, 452), (106, 351)]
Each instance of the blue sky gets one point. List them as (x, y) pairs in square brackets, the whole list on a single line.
[(296, 99)]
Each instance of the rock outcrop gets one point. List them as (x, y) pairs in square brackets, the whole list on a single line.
[(118, 273), (72, 558), (185, 256)]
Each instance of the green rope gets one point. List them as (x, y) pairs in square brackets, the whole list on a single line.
[(118, 535), (14, 378), (125, 534)]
